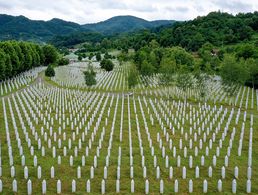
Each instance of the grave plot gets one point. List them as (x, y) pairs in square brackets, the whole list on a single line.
[(72, 76), (63, 141), (246, 97), (19, 81)]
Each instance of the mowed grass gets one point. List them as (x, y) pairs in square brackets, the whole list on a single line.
[(66, 173)]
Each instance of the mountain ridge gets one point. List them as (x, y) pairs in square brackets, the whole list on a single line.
[(23, 28)]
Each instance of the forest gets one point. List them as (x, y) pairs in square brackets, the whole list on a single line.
[(17, 57)]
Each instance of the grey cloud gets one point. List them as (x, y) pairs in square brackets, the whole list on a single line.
[(5, 5), (177, 9), (87, 11), (234, 6)]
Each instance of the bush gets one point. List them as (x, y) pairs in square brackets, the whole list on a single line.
[(50, 72), (63, 61), (98, 57), (108, 65), (90, 76)]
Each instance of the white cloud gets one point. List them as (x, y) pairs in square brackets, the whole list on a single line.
[(88, 11)]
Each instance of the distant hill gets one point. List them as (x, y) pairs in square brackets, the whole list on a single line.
[(124, 24), (22, 28)]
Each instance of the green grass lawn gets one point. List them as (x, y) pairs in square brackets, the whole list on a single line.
[(83, 103)]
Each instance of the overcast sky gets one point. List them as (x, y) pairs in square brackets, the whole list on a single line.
[(90, 11)]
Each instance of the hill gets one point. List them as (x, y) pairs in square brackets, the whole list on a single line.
[(22, 28), (123, 24)]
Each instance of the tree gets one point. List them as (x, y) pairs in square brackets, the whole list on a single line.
[(9, 49), (90, 76), (201, 83), (63, 61), (108, 65), (27, 63), (133, 77), (184, 79), (246, 51), (8, 66), (147, 69), (50, 71), (234, 73), (50, 53), (17, 68), (167, 69), (98, 57), (91, 56), (2, 65), (252, 67), (80, 58)]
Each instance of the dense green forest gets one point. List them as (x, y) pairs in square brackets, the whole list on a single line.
[(217, 28), (17, 57)]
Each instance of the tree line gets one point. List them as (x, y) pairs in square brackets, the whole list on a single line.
[(19, 56), (237, 65)]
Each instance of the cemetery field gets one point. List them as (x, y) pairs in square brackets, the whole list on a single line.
[(57, 137)]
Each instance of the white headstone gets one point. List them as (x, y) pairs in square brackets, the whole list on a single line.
[(15, 187), (44, 187), (73, 186), (52, 172), (79, 175), (184, 173), (147, 186), (210, 171), (157, 172), (92, 172), (236, 172), (190, 186), (105, 172), (220, 186), (131, 172), (249, 173), (234, 186), (170, 172), (248, 186), (88, 186), (12, 171), (223, 172), (59, 187), (29, 187), (197, 172), (117, 186), (161, 186), (39, 172), (26, 172), (132, 186), (176, 186), (103, 187), (205, 186)]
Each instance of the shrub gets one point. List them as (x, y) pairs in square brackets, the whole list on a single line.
[(63, 61), (50, 72), (108, 65)]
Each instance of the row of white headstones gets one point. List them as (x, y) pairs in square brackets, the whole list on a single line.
[(246, 97), (114, 80), (19, 81), (132, 186), (159, 140)]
